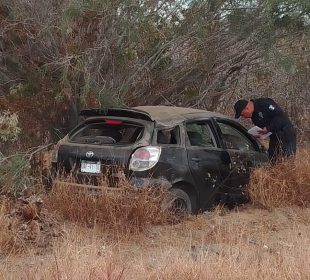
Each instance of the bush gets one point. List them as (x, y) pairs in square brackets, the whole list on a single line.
[(9, 129), (121, 209), (9, 241), (284, 184), (14, 174)]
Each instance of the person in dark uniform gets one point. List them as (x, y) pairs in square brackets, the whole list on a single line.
[(269, 116)]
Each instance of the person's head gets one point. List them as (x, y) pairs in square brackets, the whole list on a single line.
[(244, 108)]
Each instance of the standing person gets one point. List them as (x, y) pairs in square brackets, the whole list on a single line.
[(269, 116)]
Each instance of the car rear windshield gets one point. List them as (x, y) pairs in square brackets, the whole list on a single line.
[(107, 132)]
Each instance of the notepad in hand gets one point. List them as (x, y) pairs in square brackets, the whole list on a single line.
[(255, 132)]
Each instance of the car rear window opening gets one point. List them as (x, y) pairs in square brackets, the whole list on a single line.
[(108, 132)]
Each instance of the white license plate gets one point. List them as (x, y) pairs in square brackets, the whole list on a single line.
[(90, 166)]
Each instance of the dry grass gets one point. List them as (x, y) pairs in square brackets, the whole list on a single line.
[(80, 254), (10, 243), (6, 239), (247, 244), (126, 235), (120, 209), (284, 184)]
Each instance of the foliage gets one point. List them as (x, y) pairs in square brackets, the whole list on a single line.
[(123, 211), (9, 129), (284, 184), (72, 54), (14, 174)]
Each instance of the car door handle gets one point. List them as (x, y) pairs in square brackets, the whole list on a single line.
[(195, 159)]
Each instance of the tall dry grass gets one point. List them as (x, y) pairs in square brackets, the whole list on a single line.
[(69, 260), (284, 184), (10, 242), (234, 245), (120, 209), (249, 243), (6, 239)]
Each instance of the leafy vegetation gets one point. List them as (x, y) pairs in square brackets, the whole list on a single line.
[(9, 129), (14, 175), (63, 55)]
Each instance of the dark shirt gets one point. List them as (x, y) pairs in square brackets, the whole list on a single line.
[(269, 114)]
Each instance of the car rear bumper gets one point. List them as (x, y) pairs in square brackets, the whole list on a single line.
[(93, 181)]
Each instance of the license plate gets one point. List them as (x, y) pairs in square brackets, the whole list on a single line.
[(90, 166)]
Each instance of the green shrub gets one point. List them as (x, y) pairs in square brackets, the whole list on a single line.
[(14, 174)]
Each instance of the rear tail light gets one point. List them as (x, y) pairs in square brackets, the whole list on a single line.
[(144, 158)]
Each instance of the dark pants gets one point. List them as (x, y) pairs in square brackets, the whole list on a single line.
[(282, 144)]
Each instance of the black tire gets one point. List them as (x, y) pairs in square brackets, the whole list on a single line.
[(180, 202)]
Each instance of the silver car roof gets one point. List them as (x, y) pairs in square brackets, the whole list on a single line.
[(169, 115)]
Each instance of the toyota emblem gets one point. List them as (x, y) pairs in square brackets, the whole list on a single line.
[(89, 154)]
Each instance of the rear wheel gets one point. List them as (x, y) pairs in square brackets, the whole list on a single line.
[(180, 202)]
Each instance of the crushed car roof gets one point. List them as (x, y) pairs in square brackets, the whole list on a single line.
[(164, 115)]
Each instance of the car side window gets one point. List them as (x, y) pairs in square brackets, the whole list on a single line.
[(168, 136), (200, 134), (235, 139)]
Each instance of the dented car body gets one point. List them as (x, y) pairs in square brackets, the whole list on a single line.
[(199, 156)]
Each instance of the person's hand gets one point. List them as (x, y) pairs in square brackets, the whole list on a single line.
[(262, 131)]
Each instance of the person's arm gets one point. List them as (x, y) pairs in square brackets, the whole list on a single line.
[(277, 116)]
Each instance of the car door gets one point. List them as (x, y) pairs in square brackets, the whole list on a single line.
[(244, 151), (172, 164), (209, 164)]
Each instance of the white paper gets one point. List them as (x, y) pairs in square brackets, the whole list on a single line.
[(255, 132)]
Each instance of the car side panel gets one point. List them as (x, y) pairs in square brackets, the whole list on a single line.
[(209, 167), (172, 166), (210, 170)]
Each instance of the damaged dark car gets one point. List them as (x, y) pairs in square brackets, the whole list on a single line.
[(201, 157)]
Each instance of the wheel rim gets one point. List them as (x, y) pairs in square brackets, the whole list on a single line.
[(179, 205)]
